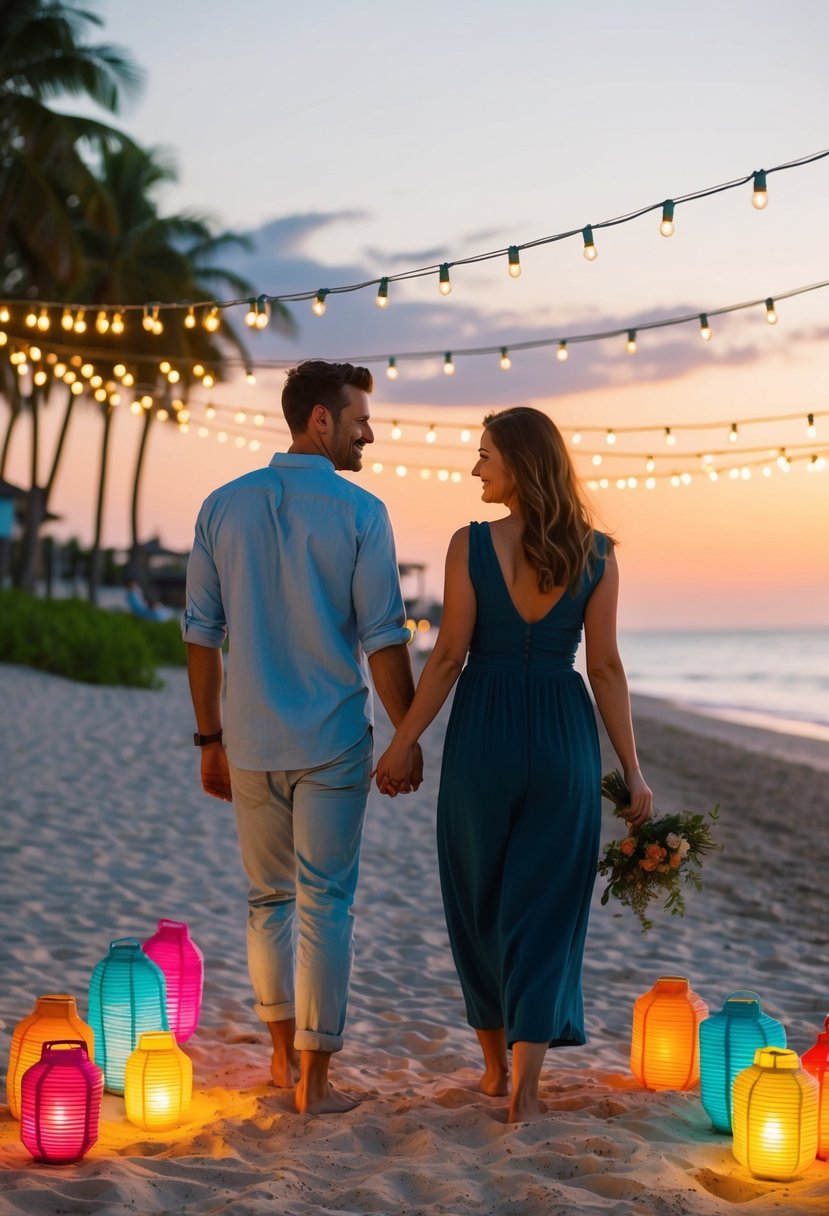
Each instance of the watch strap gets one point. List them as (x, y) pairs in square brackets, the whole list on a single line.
[(203, 740)]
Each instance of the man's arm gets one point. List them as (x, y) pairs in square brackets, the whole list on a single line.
[(391, 671), (205, 671)]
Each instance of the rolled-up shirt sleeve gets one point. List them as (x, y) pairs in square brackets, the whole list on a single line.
[(378, 601), (204, 615)]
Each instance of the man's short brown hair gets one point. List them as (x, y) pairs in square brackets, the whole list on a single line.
[(315, 382)]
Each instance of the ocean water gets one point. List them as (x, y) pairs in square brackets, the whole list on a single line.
[(778, 679)]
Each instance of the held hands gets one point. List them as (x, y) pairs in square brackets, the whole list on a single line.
[(215, 773), (641, 799), (400, 769)]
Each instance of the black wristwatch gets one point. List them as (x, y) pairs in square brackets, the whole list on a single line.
[(203, 740)]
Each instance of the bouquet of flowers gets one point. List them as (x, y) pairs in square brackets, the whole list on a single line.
[(656, 859)]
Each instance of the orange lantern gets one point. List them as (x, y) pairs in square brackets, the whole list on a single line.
[(664, 1049), (158, 1082), (816, 1063), (53, 1017), (774, 1115)]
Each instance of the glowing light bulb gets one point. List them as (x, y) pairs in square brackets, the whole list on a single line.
[(382, 297), (431, 434), (222, 437), (596, 459), (783, 461), (561, 353), (209, 380), (513, 262), (666, 226), (76, 388), (102, 322), (34, 353), (80, 322), (31, 319), (210, 412), (505, 362), (610, 437), (391, 370), (576, 437), (147, 319), (448, 365), (443, 474), (396, 432), (650, 483), (760, 197), (5, 315), (239, 417), (631, 342), (732, 434), (117, 326), (590, 250), (465, 435), (704, 328), (100, 394), (771, 315), (444, 284), (811, 429), (670, 437), (251, 314), (190, 319), (40, 376), (318, 306), (198, 370), (250, 378), (401, 470), (173, 376), (211, 320), (67, 321), (650, 464), (164, 366), (259, 420), (377, 467), (43, 321)]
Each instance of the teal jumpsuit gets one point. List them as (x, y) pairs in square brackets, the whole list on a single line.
[(518, 811)]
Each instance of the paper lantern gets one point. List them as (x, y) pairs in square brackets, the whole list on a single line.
[(774, 1115), (127, 995), (664, 1049), (173, 950), (60, 1103), (727, 1043), (53, 1017), (816, 1063), (158, 1082)]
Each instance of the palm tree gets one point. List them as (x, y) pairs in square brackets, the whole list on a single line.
[(142, 256), (45, 181)]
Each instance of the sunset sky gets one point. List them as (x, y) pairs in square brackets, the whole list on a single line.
[(368, 139)]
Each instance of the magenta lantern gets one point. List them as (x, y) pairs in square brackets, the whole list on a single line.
[(816, 1062), (172, 949), (60, 1103)]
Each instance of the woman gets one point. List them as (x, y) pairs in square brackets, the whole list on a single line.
[(519, 801)]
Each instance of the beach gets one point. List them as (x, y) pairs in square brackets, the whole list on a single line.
[(105, 830)]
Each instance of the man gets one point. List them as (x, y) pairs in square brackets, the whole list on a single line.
[(297, 567)]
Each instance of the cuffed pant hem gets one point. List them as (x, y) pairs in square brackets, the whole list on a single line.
[(275, 1013), (314, 1040)]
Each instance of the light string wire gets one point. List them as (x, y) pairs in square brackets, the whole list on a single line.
[(439, 268), (24, 342)]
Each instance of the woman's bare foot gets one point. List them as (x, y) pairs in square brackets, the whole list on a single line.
[(494, 1083), (526, 1110)]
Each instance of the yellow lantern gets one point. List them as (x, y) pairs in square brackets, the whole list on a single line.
[(774, 1115), (54, 1016), (664, 1049), (158, 1082)]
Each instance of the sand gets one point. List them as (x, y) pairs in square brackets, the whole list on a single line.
[(104, 830)]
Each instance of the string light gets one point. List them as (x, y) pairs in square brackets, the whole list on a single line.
[(590, 251), (631, 342), (760, 197), (396, 432), (31, 319), (444, 283), (505, 362), (771, 315), (666, 226), (448, 365), (67, 321), (610, 437), (513, 262), (79, 325), (732, 434), (190, 318), (670, 437), (650, 464), (431, 434), (811, 429), (577, 437), (561, 353), (102, 322), (391, 370), (43, 321), (251, 314), (318, 306), (211, 320), (704, 328), (382, 300)]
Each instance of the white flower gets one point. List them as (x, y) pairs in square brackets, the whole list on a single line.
[(684, 847), (673, 841)]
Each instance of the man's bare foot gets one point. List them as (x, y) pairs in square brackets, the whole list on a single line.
[(526, 1110), (494, 1083), (284, 1068), (322, 1102)]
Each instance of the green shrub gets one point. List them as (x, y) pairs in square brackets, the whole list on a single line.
[(71, 638)]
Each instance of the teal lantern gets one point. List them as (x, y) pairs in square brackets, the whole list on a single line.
[(727, 1043), (127, 995)]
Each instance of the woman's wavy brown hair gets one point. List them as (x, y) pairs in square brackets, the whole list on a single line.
[(558, 536)]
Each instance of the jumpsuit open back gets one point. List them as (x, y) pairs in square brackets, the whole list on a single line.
[(519, 807)]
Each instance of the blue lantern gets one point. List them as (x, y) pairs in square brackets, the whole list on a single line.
[(127, 995), (727, 1043)]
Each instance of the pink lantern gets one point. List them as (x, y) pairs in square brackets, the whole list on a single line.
[(816, 1062), (61, 1103), (172, 949)]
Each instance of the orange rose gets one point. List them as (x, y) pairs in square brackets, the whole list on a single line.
[(675, 861), (628, 846), (655, 852), (647, 863)]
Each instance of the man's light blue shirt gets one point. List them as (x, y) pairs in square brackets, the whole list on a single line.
[(297, 568)]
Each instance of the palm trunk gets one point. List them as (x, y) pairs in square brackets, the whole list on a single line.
[(14, 414), (96, 556), (35, 510), (71, 398), (135, 559)]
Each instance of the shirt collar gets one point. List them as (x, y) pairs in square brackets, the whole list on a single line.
[(298, 460)]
